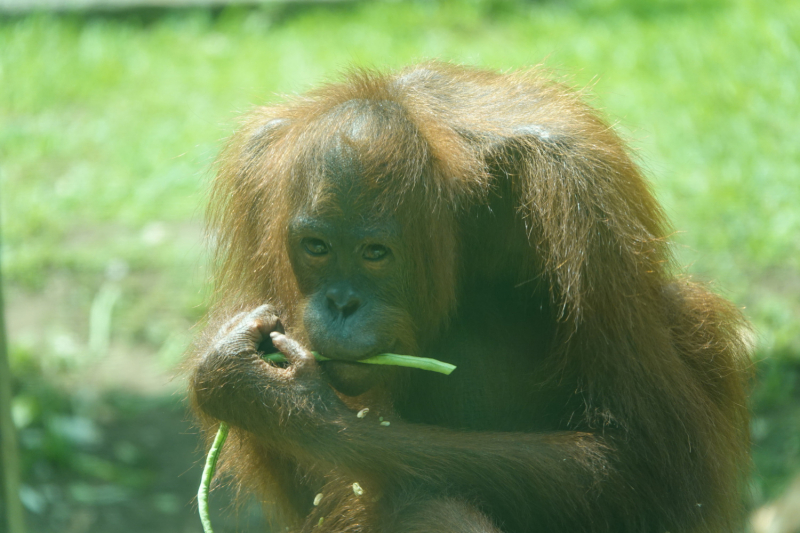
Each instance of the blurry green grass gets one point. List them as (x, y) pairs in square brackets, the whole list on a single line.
[(109, 123)]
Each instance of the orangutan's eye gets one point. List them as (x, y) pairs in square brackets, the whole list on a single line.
[(375, 252), (315, 246)]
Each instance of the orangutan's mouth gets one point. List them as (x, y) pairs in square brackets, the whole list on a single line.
[(349, 378)]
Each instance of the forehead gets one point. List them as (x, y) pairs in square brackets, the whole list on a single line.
[(345, 228), (344, 174), (344, 184), (361, 160), (345, 197), (361, 142)]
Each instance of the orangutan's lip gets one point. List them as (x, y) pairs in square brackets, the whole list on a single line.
[(349, 362), (351, 378), (341, 363), (347, 367), (332, 357)]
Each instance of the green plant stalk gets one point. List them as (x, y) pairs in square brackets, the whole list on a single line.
[(422, 363), (208, 474)]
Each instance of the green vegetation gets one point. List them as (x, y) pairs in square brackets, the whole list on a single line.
[(109, 124)]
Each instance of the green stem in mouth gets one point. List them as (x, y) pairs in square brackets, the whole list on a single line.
[(422, 363)]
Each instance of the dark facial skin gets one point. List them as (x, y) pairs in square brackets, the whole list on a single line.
[(351, 269)]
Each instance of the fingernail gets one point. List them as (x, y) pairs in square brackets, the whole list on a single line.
[(274, 335)]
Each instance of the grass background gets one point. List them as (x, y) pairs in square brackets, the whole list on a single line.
[(110, 121)]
